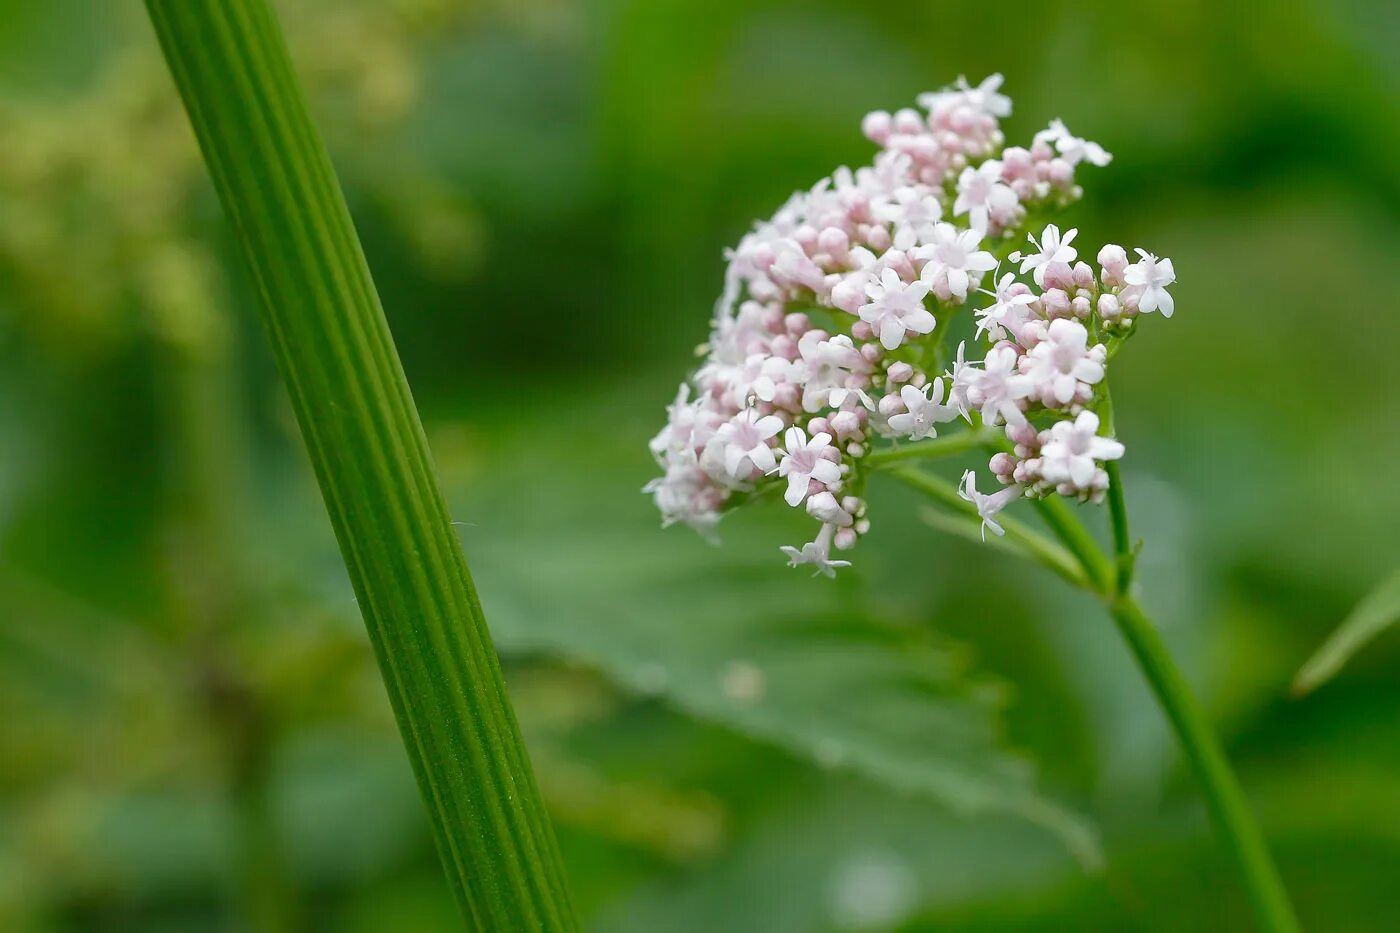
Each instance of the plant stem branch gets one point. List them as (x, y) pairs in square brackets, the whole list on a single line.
[(1225, 799), (949, 445), (1117, 507), (1074, 536), (1018, 536), (370, 456)]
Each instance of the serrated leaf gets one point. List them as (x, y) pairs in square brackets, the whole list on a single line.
[(732, 636), (1373, 615)]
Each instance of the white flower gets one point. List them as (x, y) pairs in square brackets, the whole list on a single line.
[(829, 369), (1050, 248), (981, 193), (1072, 148), (996, 388), (686, 495), (802, 462), (913, 210), (924, 411), (744, 439), (1052, 133), (985, 97), (1062, 360), (1069, 454), (896, 307), (1008, 312), (950, 255), (816, 553), (963, 377), (793, 267), (680, 422), (824, 508), (987, 505), (1152, 275)]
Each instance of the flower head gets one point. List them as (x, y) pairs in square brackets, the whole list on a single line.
[(1062, 361), (1051, 247), (925, 408), (987, 505), (896, 307), (1152, 276), (824, 341), (1009, 309), (951, 258), (817, 553), (982, 195), (743, 442), (1074, 446), (803, 462)]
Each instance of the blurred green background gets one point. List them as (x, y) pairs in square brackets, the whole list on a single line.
[(192, 732)]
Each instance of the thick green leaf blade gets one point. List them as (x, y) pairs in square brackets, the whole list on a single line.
[(1377, 612), (366, 444)]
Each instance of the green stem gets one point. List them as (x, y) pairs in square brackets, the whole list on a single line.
[(1072, 533), (949, 445), (1018, 536), (1224, 797), (371, 460), (1069, 529), (1117, 507)]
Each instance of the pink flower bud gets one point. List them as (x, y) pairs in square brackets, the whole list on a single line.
[(787, 396), (819, 425), (908, 121), (1109, 309), (899, 372), (1083, 275), (824, 508), (848, 294), (1016, 162), (1059, 275), (899, 261), (833, 240), (890, 405), (1114, 260), (877, 126), (845, 424), (861, 330), (844, 539), (1023, 434), (1080, 307), (1054, 301)]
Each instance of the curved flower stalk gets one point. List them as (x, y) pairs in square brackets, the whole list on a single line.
[(827, 363)]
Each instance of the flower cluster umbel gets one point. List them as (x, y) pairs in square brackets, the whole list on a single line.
[(830, 332)]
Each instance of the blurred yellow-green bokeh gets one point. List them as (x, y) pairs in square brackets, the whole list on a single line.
[(193, 735)]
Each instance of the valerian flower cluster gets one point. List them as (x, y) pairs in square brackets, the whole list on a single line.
[(830, 332)]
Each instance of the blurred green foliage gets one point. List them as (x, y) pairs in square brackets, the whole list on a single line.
[(194, 735)]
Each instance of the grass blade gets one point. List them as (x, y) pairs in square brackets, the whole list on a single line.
[(1379, 610), (367, 447)]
